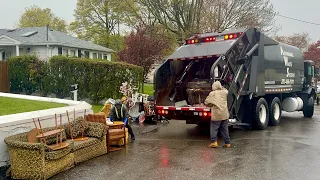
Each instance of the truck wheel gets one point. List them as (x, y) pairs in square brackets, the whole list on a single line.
[(308, 108), (275, 112), (261, 114)]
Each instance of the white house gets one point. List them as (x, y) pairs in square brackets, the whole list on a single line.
[(45, 43)]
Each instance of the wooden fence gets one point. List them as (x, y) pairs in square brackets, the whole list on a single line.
[(4, 77)]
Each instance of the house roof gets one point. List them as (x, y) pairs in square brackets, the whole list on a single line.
[(38, 36)]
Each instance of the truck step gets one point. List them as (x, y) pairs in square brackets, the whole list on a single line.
[(234, 122)]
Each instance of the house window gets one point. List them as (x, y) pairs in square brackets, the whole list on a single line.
[(65, 52), (72, 53), (94, 56), (105, 56), (86, 54), (79, 53), (60, 50), (3, 54), (100, 56)]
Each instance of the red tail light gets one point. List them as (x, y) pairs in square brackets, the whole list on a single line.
[(159, 111), (192, 41), (198, 39), (210, 39)]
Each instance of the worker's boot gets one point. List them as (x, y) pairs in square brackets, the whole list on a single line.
[(227, 145), (214, 144)]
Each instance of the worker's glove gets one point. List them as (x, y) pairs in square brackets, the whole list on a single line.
[(125, 121)]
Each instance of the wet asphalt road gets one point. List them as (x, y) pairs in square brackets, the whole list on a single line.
[(179, 151)]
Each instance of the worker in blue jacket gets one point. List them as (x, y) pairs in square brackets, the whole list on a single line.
[(119, 113)]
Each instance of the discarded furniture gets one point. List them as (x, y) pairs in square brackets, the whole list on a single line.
[(83, 137), (30, 158), (94, 146), (57, 131), (114, 132), (37, 160)]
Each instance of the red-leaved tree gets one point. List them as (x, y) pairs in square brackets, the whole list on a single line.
[(144, 47), (313, 53), (299, 40)]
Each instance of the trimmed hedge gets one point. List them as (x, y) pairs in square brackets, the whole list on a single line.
[(97, 79), (26, 73)]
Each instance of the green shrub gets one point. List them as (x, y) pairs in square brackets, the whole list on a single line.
[(97, 79), (25, 74)]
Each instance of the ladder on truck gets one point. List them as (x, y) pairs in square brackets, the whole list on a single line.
[(235, 66)]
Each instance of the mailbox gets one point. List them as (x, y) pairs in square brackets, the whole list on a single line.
[(74, 87), (74, 90)]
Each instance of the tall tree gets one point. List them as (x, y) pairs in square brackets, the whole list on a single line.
[(313, 53), (100, 20), (300, 40), (34, 16), (185, 17), (181, 17), (219, 15), (144, 47)]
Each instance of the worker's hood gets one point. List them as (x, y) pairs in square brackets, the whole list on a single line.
[(118, 102), (216, 86)]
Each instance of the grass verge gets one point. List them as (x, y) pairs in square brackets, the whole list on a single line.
[(14, 105)]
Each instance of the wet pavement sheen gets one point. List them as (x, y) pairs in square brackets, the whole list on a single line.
[(179, 151)]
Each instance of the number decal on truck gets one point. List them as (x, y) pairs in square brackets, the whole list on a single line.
[(287, 81)]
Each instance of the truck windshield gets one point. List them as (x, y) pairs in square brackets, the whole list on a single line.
[(310, 70)]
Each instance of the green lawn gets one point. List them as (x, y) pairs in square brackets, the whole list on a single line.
[(148, 89), (96, 108), (14, 105)]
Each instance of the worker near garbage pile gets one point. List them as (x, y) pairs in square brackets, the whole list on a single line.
[(217, 101), (119, 113)]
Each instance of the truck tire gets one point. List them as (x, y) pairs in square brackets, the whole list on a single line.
[(261, 114), (308, 108), (275, 112)]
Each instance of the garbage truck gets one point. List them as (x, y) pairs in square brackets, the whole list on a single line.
[(263, 78)]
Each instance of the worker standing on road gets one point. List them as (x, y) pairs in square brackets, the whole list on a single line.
[(119, 113), (217, 100)]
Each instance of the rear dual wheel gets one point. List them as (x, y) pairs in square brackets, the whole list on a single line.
[(261, 114), (265, 114), (275, 112)]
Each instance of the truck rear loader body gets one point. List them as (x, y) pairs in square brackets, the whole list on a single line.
[(263, 78)]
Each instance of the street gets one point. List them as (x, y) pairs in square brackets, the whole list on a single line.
[(179, 151)]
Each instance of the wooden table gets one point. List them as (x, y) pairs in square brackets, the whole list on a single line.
[(56, 146), (115, 125)]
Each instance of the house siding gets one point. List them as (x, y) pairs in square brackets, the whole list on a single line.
[(5, 41), (45, 53)]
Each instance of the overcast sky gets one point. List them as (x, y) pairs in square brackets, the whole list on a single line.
[(307, 10)]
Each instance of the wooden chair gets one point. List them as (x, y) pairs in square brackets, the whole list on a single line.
[(116, 131)]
